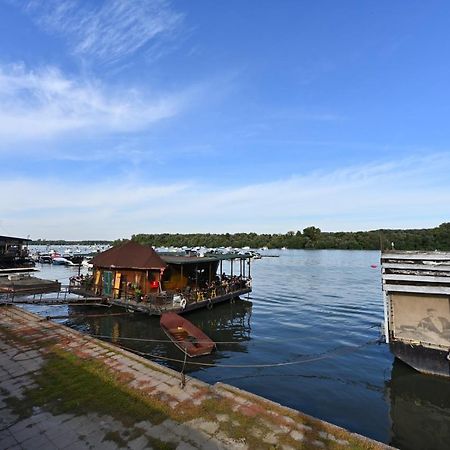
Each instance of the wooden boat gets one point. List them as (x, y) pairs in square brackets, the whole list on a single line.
[(185, 335)]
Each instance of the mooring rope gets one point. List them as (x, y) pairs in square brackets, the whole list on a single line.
[(325, 355), (262, 339), (74, 316), (183, 376)]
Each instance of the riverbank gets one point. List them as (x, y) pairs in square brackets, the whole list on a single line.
[(63, 389)]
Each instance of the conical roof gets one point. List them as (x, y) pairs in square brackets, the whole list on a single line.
[(130, 255)]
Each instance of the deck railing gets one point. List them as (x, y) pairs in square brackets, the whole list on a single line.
[(161, 299), (65, 294)]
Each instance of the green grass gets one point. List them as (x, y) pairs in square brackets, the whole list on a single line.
[(157, 444), (67, 384)]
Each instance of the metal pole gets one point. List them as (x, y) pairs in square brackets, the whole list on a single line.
[(386, 316), (386, 305)]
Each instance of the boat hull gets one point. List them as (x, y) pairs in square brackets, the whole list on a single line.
[(423, 359), (186, 336)]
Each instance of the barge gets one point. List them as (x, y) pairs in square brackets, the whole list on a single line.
[(416, 291), (136, 277)]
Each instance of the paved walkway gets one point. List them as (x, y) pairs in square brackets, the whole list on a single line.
[(38, 409)]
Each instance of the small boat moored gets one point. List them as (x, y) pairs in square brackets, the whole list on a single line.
[(185, 335), (60, 261)]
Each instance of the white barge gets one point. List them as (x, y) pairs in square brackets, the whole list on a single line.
[(416, 288)]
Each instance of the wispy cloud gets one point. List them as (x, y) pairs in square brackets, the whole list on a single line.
[(108, 31), (413, 192), (45, 103), (53, 194)]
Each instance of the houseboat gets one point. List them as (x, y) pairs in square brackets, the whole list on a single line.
[(137, 277), (416, 290), (16, 266), (14, 256)]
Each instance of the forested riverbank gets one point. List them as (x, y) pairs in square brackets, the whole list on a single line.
[(437, 238)]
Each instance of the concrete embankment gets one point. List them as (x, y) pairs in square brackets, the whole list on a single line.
[(62, 389)]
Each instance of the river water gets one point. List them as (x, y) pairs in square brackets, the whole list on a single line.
[(314, 316)]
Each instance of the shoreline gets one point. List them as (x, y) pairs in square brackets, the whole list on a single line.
[(199, 415)]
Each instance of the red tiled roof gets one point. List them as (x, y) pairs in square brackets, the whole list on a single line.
[(129, 256)]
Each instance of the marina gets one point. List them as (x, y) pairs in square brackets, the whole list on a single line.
[(318, 313), (224, 225)]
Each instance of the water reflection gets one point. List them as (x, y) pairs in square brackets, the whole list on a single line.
[(227, 324), (420, 409), (304, 303)]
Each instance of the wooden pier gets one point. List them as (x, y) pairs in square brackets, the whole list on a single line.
[(24, 284), (35, 291)]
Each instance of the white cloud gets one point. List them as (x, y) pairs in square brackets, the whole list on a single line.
[(45, 103), (55, 194), (409, 193), (109, 30)]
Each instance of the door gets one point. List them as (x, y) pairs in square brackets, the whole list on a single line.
[(117, 285), (107, 283)]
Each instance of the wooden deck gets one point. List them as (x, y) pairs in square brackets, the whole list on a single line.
[(28, 286), (40, 294), (160, 306), (416, 272)]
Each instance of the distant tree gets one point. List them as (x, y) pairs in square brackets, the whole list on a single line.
[(311, 233)]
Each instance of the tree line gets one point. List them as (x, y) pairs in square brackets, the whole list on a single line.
[(437, 238)]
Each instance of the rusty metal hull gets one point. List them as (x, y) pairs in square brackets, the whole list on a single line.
[(423, 359)]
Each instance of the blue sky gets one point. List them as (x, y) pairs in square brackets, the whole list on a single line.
[(120, 117)]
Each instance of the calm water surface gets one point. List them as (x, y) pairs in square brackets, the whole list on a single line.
[(319, 309)]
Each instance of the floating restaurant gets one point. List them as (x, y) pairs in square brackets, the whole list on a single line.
[(137, 277), (416, 287)]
